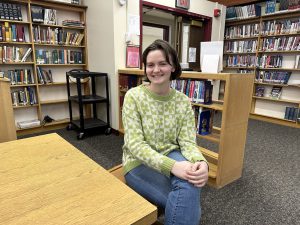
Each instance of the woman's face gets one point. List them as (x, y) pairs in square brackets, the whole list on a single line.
[(158, 70)]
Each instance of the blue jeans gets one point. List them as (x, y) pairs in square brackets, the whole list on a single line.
[(179, 198)]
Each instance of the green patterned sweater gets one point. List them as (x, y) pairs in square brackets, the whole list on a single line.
[(155, 125)]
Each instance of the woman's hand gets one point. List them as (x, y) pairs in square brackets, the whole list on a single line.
[(198, 174), (180, 169)]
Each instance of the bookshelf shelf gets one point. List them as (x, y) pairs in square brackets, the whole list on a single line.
[(272, 84), (214, 106), (15, 43), (276, 52), (275, 30), (271, 119), (226, 164), (63, 46), (70, 65), (55, 88), (22, 85), (277, 100), (213, 137), (281, 69), (25, 106), (239, 53), (17, 63), (279, 35), (15, 21), (58, 26), (240, 38), (240, 67), (53, 102), (242, 21)]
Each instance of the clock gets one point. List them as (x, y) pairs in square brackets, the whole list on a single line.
[(122, 2)]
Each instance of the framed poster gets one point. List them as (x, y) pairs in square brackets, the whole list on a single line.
[(133, 56), (183, 4)]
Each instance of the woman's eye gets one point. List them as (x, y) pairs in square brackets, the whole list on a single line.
[(163, 64)]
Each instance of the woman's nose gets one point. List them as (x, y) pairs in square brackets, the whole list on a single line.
[(156, 68)]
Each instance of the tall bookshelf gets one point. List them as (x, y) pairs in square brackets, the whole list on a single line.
[(264, 107), (50, 96), (225, 163)]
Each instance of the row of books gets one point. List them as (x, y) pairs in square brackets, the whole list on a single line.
[(12, 32), (242, 12), (44, 76), (265, 61), (73, 23), (253, 10), (242, 31), (203, 120), (280, 44), (240, 60), (274, 77), (48, 35), (275, 27), (10, 54), (240, 46), (270, 61), (19, 76), (292, 113), (127, 82), (10, 11), (273, 6), (24, 97), (198, 91), (275, 92), (43, 15), (61, 56)]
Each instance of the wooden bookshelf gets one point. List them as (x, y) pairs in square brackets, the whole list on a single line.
[(56, 92), (7, 125), (265, 108), (227, 163)]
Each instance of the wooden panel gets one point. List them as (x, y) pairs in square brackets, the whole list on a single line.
[(231, 154), (238, 92), (7, 124)]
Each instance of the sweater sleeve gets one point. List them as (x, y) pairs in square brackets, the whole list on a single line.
[(134, 138), (187, 137)]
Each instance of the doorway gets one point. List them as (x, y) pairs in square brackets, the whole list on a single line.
[(183, 30)]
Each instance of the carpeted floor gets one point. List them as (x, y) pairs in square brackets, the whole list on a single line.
[(268, 192)]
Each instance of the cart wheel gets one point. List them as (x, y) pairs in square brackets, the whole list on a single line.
[(69, 127), (80, 136), (108, 131)]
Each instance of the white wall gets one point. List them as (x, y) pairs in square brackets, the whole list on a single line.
[(106, 27)]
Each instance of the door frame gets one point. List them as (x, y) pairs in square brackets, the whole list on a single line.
[(206, 20)]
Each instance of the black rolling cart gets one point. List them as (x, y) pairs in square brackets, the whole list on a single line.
[(87, 124)]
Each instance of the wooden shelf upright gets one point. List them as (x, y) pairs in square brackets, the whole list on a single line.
[(227, 163)]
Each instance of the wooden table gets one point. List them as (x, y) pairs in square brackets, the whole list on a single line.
[(46, 180)]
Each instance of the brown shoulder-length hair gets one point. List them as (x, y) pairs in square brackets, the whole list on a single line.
[(170, 54)]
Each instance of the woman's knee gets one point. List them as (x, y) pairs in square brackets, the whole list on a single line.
[(185, 186)]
